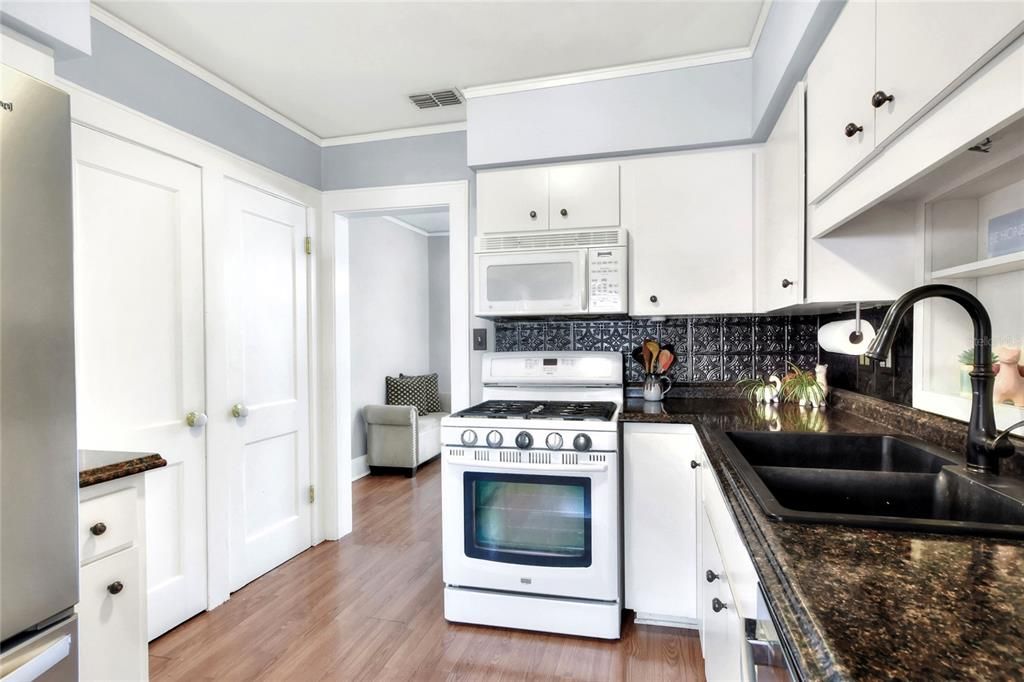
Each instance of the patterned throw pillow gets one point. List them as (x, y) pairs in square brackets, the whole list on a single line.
[(419, 391), (430, 392)]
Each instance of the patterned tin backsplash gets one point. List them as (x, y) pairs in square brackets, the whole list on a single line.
[(715, 348)]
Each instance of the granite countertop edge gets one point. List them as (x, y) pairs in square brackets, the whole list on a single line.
[(112, 472)]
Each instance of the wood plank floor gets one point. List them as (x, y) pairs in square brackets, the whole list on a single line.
[(369, 607)]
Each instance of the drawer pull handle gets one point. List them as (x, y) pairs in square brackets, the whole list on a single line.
[(533, 214), (711, 576), (852, 129), (115, 587), (98, 528), (563, 212), (694, 464), (717, 605)]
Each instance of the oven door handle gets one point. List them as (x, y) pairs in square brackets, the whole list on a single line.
[(579, 468)]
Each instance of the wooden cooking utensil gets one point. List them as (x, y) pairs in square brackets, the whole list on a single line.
[(665, 360), (652, 349)]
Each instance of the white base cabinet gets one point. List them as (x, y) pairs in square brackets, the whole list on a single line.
[(722, 635), (660, 497), (112, 582)]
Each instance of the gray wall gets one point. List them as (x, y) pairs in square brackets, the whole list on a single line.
[(792, 34), (440, 312), (129, 73), (691, 107), (402, 161), (389, 312)]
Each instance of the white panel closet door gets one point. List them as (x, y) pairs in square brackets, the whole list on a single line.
[(139, 346), (265, 279)]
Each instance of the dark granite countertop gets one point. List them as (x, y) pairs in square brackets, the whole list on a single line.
[(97, 466), (866, 604)]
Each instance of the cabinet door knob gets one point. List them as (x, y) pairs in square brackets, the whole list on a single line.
[(852, 129), (115, 587), (694, 464), (787, 283), (563, 213), (98, 528), (533, 214), (711, 576), (879, 99), (717, 605), (654, 299), (239, 411)]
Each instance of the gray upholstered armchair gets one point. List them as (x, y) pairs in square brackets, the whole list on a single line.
[(397, 438)]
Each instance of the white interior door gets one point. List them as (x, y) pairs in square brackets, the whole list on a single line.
[(268, 372), (139, 346)]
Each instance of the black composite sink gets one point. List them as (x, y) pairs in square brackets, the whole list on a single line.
[(873, 481)]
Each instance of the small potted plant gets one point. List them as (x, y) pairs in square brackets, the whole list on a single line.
[(802, 388)]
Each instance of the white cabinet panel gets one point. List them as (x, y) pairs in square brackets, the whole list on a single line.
[(585, 195), (140, 345), (779, 232), (690, 219), (924, 47), (512, 200), (840, 81), (110, 619), (660, 508), (721, 624)]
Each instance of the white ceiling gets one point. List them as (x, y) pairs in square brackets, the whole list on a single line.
[(345, 68)]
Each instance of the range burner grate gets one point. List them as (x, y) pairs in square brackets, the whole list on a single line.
[(541, 409)]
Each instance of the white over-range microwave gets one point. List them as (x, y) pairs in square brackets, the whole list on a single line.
[(579, 272)]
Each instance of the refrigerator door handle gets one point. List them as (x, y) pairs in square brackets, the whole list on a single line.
[(37, 665)]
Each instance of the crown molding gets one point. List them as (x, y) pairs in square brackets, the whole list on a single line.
[(199, 72), (589, 76), (415, 131)]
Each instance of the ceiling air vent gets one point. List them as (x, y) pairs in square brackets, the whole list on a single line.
[(433, 100)]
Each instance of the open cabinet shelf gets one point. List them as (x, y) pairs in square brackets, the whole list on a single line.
[(998, 265)]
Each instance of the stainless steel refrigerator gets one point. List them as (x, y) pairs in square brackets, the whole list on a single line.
[(38, 456)]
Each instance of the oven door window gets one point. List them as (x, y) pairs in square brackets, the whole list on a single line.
[(528, 519)]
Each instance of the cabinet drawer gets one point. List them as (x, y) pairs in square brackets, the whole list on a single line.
[(106, 524), (112, 633)]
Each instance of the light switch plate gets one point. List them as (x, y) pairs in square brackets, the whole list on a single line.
[(479, 339)]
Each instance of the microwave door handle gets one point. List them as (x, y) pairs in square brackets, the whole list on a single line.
[(585, 289)]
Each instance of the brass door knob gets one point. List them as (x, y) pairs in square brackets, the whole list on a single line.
[(239, 411), (195, 419)]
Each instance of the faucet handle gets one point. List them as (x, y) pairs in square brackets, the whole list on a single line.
[(1006, 432)]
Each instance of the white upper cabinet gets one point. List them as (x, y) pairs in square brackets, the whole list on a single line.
[(556, 197), (583, 196), (513, 200), (840, 118), (883, 69), (690, 220), (779, 232), (924, 47)]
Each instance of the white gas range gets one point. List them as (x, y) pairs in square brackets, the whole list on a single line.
[(531, 496)]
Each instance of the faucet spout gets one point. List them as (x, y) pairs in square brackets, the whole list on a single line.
[(984, 447)]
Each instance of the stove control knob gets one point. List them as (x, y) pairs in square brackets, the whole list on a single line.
[(582, 442), (554, 441), (524, 441), (469, 438), (494, 439)]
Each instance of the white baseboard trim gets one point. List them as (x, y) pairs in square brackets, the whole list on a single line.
[(359, 467)]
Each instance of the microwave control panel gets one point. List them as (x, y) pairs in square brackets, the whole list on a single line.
[(606, 269)]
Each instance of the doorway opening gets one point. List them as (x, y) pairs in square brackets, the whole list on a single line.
[(400, 348)]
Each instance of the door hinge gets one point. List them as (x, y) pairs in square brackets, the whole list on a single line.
[(312, 494), (309, 246)]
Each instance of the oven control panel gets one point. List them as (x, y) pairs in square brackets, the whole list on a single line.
[(532, 439)]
